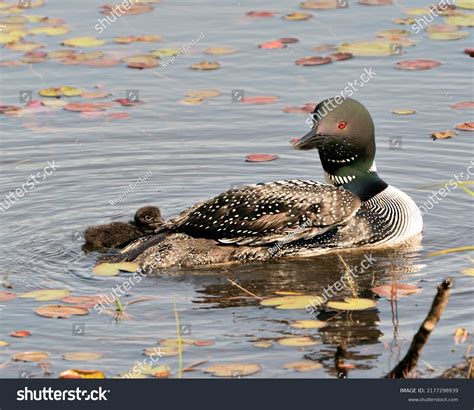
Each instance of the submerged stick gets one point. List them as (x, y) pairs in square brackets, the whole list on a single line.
[(408, 363)]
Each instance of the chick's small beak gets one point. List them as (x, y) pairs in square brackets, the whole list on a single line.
[(309, 141)]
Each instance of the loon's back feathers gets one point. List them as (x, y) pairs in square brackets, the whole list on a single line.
[(265, 213)]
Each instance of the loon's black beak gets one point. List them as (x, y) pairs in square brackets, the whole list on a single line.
[(309, 141)]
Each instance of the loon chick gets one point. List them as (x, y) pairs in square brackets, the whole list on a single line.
[(354, 208), (119, 234)]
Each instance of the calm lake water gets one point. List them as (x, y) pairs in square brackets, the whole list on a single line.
[(193, 152)]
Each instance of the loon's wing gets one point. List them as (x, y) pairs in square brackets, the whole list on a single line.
[(260, 214)]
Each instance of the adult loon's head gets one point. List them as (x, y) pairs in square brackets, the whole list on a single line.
[(343, 133)]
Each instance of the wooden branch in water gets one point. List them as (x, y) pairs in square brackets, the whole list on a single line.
[(408, 363)]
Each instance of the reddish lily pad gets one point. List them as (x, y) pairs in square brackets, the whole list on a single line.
[(465, 126), (205, 65), (396, 290), (312, 61), (260, 99), (61, 311), (102, 62), (340, 56), (417, 64), (261, 14), (6, 296), (288, 40), (260, 157), (80, 107), (128, 102), (307, 108), (465, 105), (30, 356), (20, 333), (272, 44)]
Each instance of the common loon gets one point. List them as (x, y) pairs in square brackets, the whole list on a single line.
[(119, 234), (352, 209)]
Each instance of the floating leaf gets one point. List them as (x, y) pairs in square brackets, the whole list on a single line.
[(460, 335), (397, 32), (405, 21), (192, 101), (451, 35), (8, 108), (340, 56), (118, 116), (3, 343), (83, 42), (163, 351), (103, 62), (48, 102), (32, 57), (288, 40), (312, 61), (43, 295), (23, 46), (66, 91), (127, 102), (307, 324), (464, 20), (82, 356), (49, 30), (141, 61), (61, 311), (465, 4), (220, 50), (175, 342), (272, 44), (9, 37), (263, 344), (307, 108), (297, 341), (88, 107), (132, 10), (465, 105), (374, 48), (321, 4), (303, 366), (468, 271), (261, 13), (112, 269), (298, 16), (135, 39), (403, 111), (30, 356), (203, 93), (204, 343), (260, 99), (205, 65), (465, 126), (417, 64), (6, 296), (233, 369), (441, 28), (20, 333), (260, 157), (451, 250), (396, 290), (166, 52), (292, 302), (441, 135), (95, 94), (416, 11), (82, 374), (352, 304)]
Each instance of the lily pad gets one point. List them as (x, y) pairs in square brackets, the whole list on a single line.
[(273, 44), (20, 333), (297, 341), (3, 343), (88, 107), (135, 39), (465, 4), (30, 356), (292, 302), (468, 271), (298, 16), (203, 93), (49, 30), (233, 369), (374, 48), (43, 295), (220, 50), (113, 269), (260, 99), (205, 65), (441, 135), (165, 52), (82, 374), (417, 64), (260, 157), (83, 42), (352, 304), (82, 356), (403, 111), (464, 105), (450, 35), (6, 296), (263, 344), (465, 126), (61, 311), (396, 290), (261, 13), (303, 366), (464, 20), (321, 4), (308, 324), (312, 61)]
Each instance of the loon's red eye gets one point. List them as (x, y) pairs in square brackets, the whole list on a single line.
[(342, 125)]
